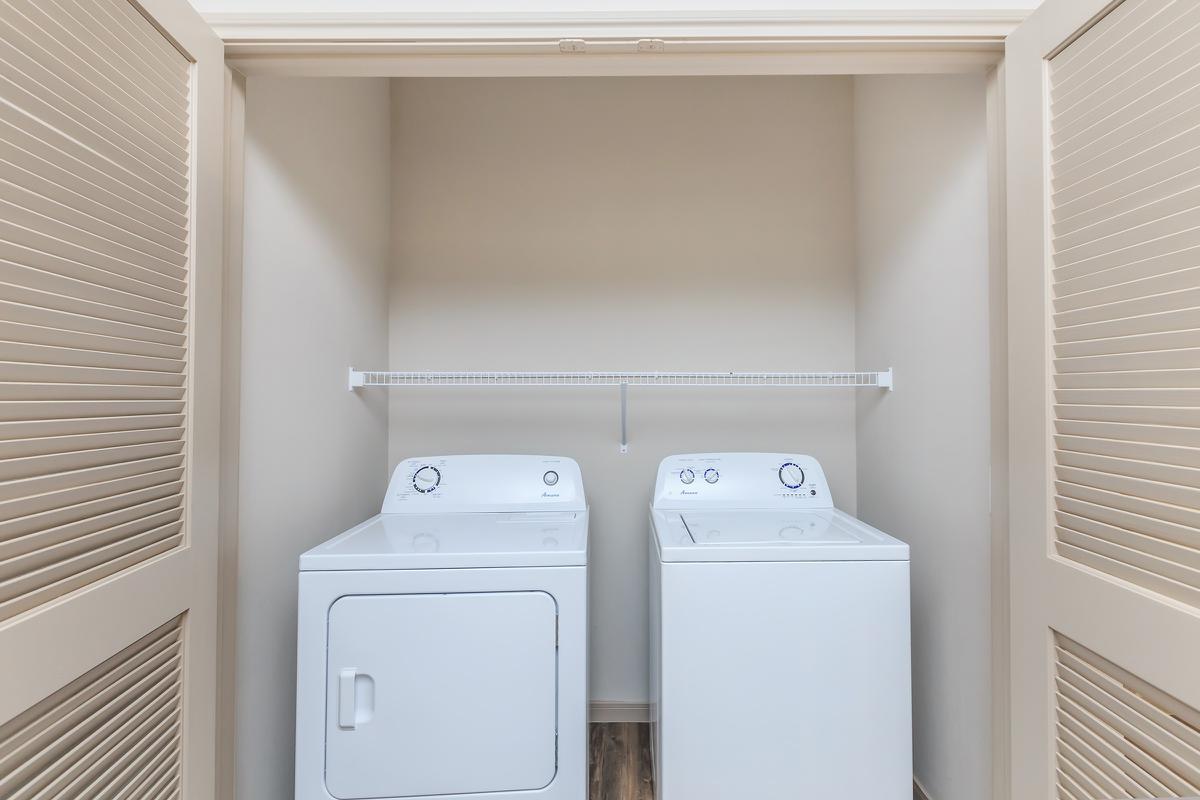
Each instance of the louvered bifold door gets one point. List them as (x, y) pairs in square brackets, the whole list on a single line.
[(110, 209), (1104, 223)]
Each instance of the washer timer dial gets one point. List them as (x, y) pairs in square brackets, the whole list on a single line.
[(686, 476), (426, 479), (791, 475)]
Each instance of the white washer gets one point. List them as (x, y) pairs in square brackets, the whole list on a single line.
[(779, 637), (443, 643)]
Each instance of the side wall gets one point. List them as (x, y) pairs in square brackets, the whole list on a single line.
[(314, 301), (609, 224), (924, 451)]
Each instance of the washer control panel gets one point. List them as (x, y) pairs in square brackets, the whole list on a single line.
[(741, 481), (483, 483)]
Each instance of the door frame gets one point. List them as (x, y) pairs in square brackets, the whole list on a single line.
[(535, 44)]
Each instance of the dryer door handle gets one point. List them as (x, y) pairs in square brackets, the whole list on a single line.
[(347, 707)]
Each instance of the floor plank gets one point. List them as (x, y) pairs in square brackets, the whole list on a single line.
[(619, 753), (621, 767)]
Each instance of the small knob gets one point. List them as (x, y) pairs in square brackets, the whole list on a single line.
[(791, 475), (550, 478), (711, 475), (686, 476), (426, 479)]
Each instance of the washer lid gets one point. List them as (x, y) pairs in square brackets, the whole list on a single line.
[(825, 535), (452, 541), (731, 528)]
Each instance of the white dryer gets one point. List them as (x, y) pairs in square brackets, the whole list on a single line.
[(779, 637), (443, 643)]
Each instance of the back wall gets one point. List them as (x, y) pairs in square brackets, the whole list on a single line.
[(663, 224)]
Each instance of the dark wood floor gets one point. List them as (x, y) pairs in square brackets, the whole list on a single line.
[(620, 761), (621, 768)]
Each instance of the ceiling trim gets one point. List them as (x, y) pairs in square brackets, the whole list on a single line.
[(608, 43), (248, 30)]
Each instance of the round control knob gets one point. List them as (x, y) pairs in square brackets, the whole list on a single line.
[(791, 475), (426, 479), (711, 475), (686, 476), (550, 478)]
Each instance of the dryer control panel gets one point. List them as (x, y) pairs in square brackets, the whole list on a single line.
[(484, 483), (741, 481)]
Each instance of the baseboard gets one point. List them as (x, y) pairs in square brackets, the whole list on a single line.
[(919, 792), (618, 711)]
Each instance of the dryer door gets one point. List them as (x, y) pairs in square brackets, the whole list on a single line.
[(440, 694)]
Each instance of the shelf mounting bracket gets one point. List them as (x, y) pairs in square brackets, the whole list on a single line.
[(624, 418)]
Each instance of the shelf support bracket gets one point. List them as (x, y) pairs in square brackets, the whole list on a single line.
[(624, 417), (356, 380), (885, 380)]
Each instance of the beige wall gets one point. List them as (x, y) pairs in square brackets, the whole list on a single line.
[(923, 451), (646, 224), (313, 459)]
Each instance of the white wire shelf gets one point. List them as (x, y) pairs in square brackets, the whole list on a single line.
[(623, 380), (881, 380)]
